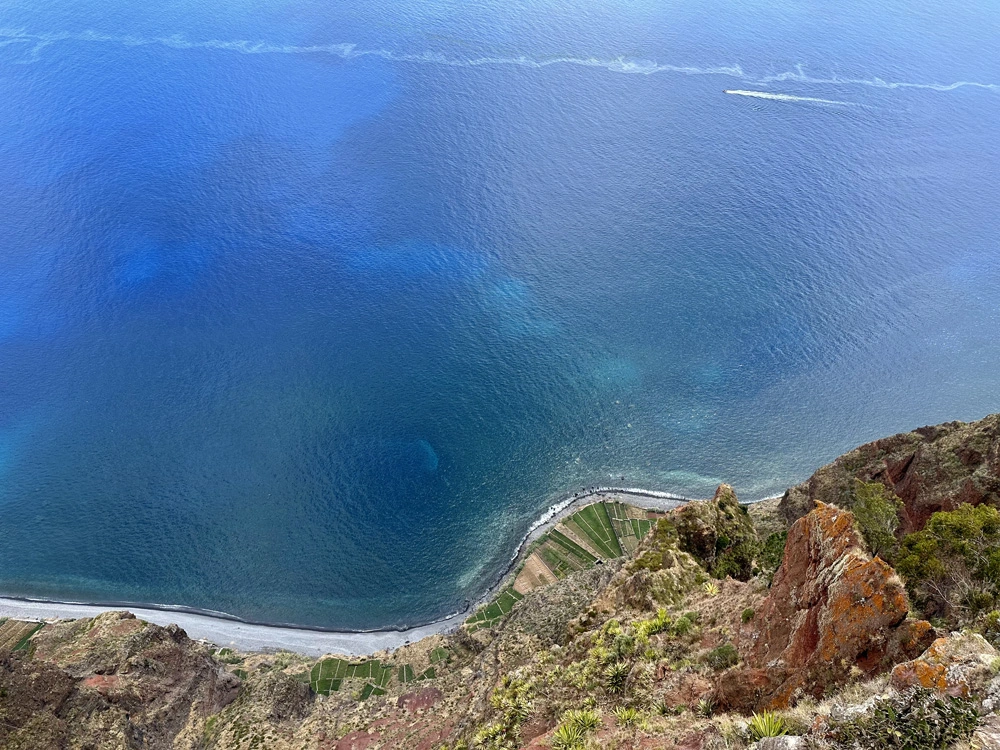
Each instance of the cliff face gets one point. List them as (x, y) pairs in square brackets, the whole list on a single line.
[(929, 469), (669, 645), (115, 678)]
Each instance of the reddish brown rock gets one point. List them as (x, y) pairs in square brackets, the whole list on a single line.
[(930, 469), (958, 665), (831, 608), (419, 700), (357, 741)]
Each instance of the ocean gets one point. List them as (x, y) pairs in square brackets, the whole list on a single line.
[(309, 309)]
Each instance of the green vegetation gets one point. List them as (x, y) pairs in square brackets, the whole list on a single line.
[(512, 700), (571, 734), (586, 720), (228, 656), (771, 553), (919, 721), (595, 524), (720, 535), (488, 615), (704, 708), (876, 510), (747, 615), (22, 645), (630, 531), (626, 716), (568, 737), (766, 724), (722, 657), (952, 566), (328, 676), (616, 675)]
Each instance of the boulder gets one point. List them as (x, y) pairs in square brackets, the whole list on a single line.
[(959, 665), (831, 609), (987, 736), (930, 469)]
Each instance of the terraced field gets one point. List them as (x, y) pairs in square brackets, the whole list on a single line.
[(329, 675), (600, 531), (14, 634)]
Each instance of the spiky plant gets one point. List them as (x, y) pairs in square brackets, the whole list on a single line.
[(766, 724), (711, 588), (615, 676), (626, 717), (585, 720), (567, 737), (705, 708)]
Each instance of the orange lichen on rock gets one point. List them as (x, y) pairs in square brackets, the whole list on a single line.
[(831, 608), (956, 665)]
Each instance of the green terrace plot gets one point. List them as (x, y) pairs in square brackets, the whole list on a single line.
[(594, 524), (328, 675), (489, 614), (562, 555), (629, 529), (15, 635), (440, 654)]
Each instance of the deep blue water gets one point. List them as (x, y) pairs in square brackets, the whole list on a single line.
[(308, 309)]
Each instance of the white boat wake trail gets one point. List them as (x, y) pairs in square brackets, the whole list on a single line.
[(35, 44), (787, 97)]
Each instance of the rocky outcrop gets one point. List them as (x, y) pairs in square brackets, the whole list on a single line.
[(831, 609), (930, 469), (719, 533), (145, 681), (959, 665)]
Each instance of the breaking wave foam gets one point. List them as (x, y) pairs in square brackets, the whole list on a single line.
[(38, 42)]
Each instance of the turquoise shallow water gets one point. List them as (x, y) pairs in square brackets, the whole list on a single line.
[(308, 310)]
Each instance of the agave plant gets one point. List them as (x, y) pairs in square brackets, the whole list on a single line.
[(583, 719), (567, 737), (766, 724), (616, 675), (711, 588), (626, 717), (704, 708)]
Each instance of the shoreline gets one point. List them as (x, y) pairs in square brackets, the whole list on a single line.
[(224, 629)]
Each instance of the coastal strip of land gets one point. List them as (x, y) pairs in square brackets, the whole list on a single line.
[(231, 632)]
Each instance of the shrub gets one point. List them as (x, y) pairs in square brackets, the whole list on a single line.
[(918, 721), (722, 657), (737, 561), (683, 625), (772, 552), (747, 615), (766, 724), (876, 510), (952, 566)]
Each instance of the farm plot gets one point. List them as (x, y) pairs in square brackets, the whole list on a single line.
[(15, 634), (489, 614), (631, 524), (328, 675)]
